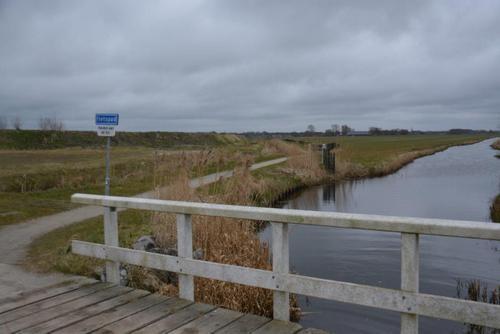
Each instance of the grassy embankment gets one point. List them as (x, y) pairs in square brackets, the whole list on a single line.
[(496, 145), (238, 244), (43, 179), (372, 156), (495, 205)]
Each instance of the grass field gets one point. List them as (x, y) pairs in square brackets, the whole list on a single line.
[(37, 139), (35, 183), (368, 156)]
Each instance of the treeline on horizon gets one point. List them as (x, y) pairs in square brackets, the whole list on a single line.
[(372, 132)]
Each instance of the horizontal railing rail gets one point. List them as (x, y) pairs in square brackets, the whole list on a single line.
[(442, 227), (408, 301)]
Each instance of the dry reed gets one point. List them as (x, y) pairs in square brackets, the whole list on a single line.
[(223, 240)]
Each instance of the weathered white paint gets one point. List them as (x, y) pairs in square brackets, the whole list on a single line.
[(185, 250), (111, 239), (407, 301), (389, 299), (409, 277), (281, 264), (443, 227)]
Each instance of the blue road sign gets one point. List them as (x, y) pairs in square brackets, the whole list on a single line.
[(106, 119)]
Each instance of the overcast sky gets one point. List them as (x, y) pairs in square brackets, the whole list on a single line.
[(252, 65)]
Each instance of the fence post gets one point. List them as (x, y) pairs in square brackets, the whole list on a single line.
[(111, 239), (409, 277), (281, 300), (185, 249)]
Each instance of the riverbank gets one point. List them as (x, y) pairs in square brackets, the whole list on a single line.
[(495, 209), (357, 159), (496, 144), (495, 205)]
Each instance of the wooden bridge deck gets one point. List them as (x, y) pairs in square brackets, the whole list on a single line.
[(106, 308)]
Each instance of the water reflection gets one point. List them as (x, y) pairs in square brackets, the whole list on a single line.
[(456, 184)]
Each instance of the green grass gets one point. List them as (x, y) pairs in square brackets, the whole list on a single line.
[(372, 151), (20, 207), (36, 139), (38, 183), (52, 252), (15, 162), (35, 183)]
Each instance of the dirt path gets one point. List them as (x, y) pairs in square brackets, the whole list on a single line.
[(15, 239)]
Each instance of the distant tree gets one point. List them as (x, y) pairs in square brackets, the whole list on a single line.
[(311, 128), (460, 131), (17, 123), (50, 124), (346, 129), (329, 132), (3, 122), (375, 131)]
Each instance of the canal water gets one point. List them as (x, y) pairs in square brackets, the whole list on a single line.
[(458, 183)]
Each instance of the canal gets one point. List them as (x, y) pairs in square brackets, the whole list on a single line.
[(458, 183)]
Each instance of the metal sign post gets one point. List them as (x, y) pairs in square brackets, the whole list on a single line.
[(106, 128)]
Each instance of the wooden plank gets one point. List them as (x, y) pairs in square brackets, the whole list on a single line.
[(109, 316), (389, 299), (278, 327), (29, 297), (144, 318), (51, 302), (409, 277), (59, 310), (58, 324), (185, 250), (245, 324), (281, 264), (223, 272), (176, 319), (209, 323), (111, 239), (444, 227)]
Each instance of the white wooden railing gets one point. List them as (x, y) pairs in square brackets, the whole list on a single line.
[(408, 301)]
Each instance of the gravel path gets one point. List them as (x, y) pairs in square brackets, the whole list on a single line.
[(15, 239)]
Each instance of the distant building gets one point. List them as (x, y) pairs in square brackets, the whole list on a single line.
[(359, 133)]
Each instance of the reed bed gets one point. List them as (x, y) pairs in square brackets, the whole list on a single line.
[(478, 291), (224, 240), (495, 209)]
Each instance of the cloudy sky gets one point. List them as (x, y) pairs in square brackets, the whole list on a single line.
[(252, 65)]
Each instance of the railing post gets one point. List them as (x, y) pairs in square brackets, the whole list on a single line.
[(111, 239), (185, 249), (281, 300), (409, 277)]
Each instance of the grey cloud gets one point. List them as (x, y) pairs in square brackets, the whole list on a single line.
[(252, 65)]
